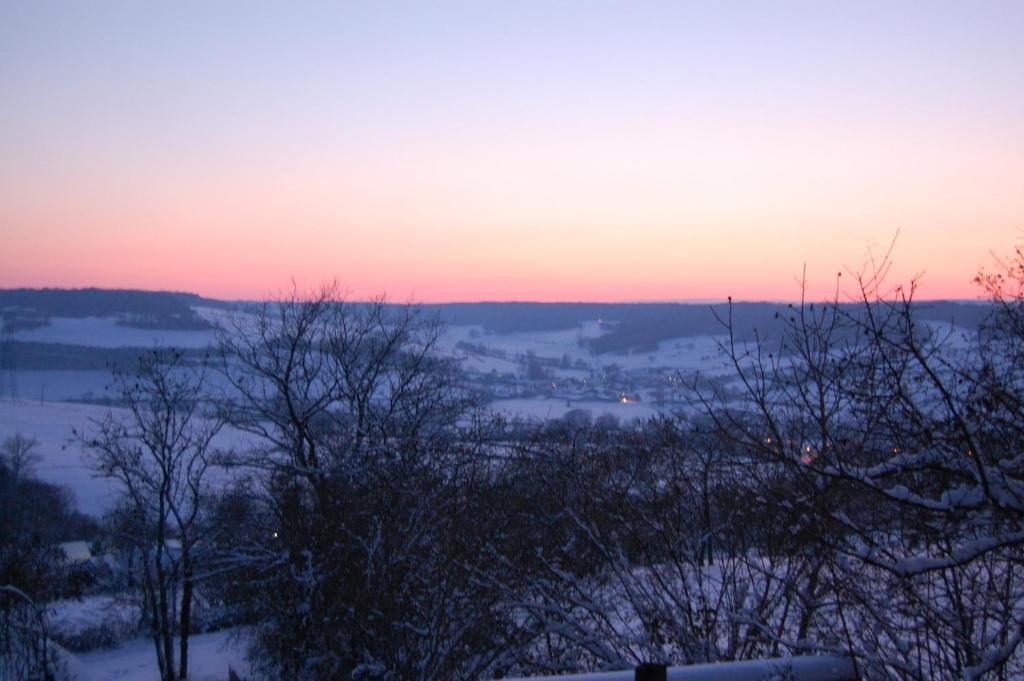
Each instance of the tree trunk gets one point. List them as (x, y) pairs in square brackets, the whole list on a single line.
[(166, 630), (149, 590), (186, 619)]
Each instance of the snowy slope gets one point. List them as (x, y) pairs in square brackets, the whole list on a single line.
[(104, 332), (211, 655), (51, 424), (63, 463), (544, 409), (688, 354)]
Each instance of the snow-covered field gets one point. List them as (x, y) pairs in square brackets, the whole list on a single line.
[(96, 621), (211, 656), (58, 384), (105, 332), (543, 409), (52, 423), (692, 353), (542, 343), (63, 461), (686, 354)]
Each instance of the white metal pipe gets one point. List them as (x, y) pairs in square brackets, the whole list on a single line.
[(803, 668)]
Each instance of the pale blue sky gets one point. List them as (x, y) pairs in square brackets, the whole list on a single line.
[(481, 120)]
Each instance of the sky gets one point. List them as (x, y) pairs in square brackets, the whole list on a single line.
[(440, 151)]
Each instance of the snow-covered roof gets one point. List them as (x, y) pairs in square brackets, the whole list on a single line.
[(76, 551)]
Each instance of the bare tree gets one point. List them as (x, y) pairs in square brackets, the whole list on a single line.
[(368, 472), (26, 650), (159, 451), (323, 381), (654, 543), (19, 453), (902, 443)]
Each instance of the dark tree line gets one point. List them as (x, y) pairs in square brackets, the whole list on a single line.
[(25, 308)]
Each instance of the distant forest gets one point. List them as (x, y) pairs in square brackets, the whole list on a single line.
[(31, 308), (632, 327)]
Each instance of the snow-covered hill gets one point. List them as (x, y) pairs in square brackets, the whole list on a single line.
[(210, 655), (63, 460)]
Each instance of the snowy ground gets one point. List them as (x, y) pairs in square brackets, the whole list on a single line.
[(105, 332), (54, 385), (542, 409), (51, 424), (95, 621), (63, 463), (52, 421), (211, 656), (692, 352), (551, 344)]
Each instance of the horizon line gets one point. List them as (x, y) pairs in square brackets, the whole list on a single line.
[(511, 301)]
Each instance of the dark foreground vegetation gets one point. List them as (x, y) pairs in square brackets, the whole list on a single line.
[(864, 496), (34, 518)]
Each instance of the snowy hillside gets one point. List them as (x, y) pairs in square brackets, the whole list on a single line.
[(106, 332), (211, 655), (63, 461)]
